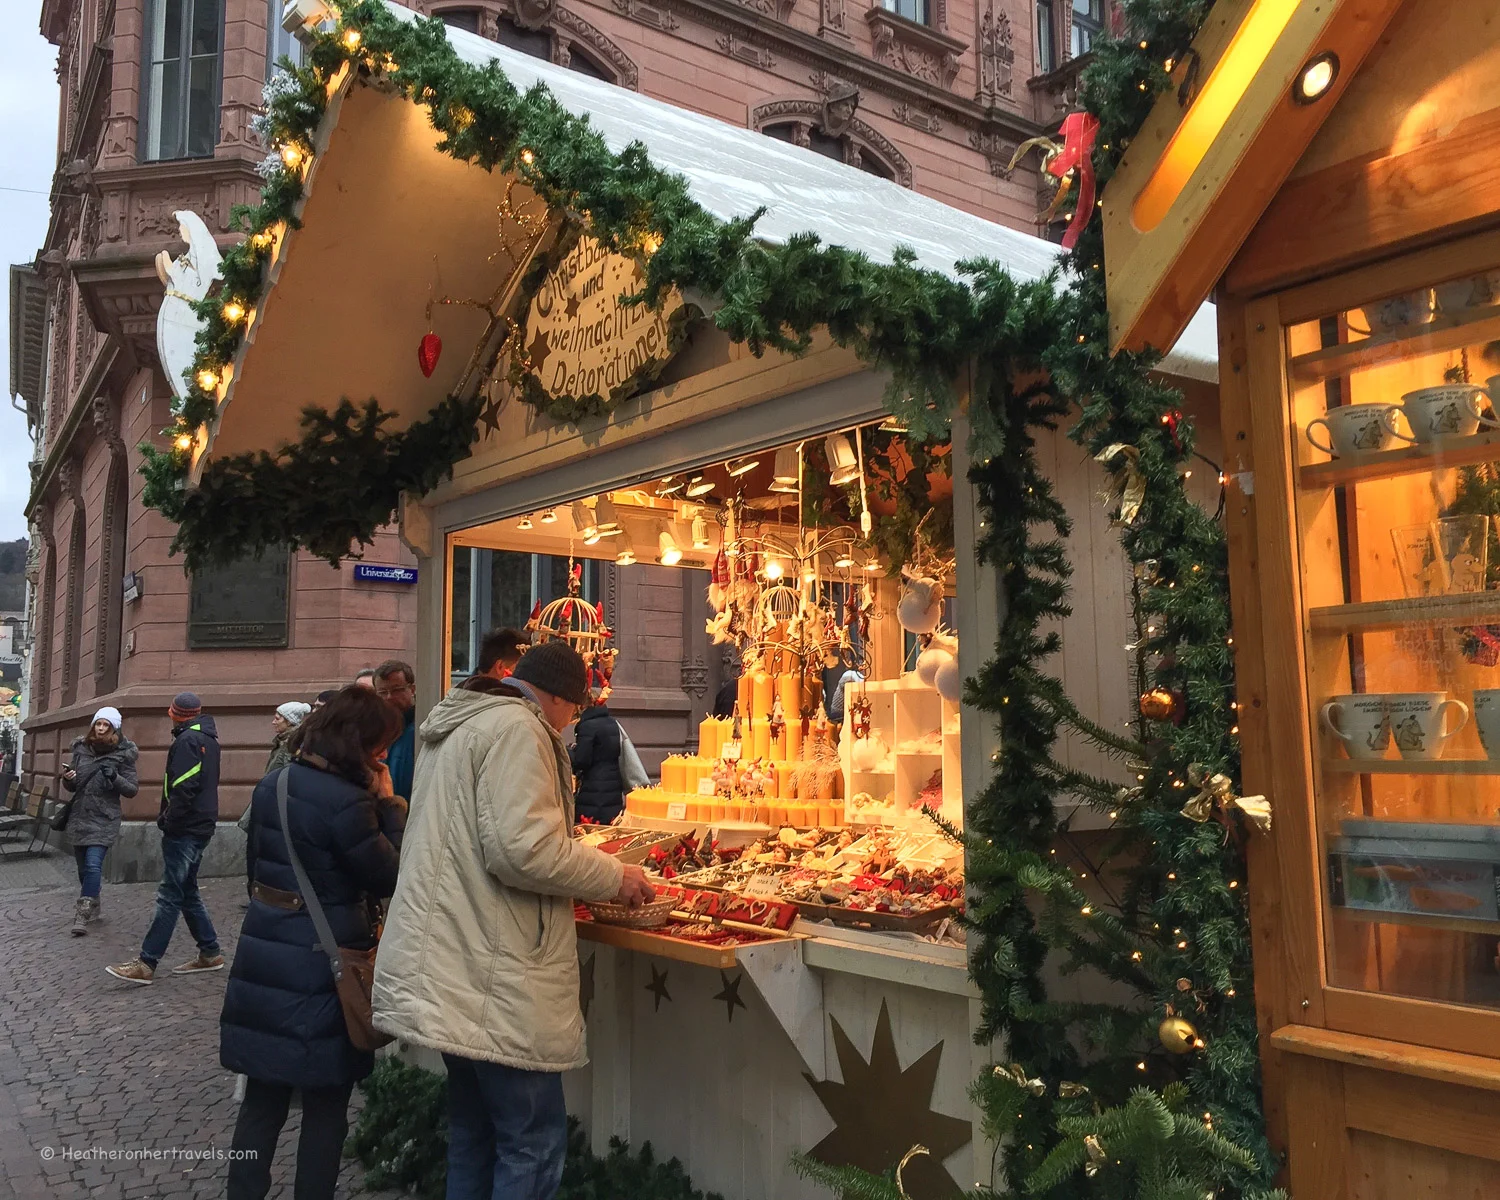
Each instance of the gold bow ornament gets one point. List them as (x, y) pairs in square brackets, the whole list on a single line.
[(1096, 1152), (1217, 792), (1128, 485), (1017, 1074)]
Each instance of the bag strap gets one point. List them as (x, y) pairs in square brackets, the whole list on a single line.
[(304, 885)]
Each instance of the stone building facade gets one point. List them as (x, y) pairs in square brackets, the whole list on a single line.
[(157, 98)]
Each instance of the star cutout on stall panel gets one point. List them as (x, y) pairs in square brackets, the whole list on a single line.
[(880, 1111), (658, 987), (586, 985), (538, 351), (489, 416), (731, 993), (571, 308)]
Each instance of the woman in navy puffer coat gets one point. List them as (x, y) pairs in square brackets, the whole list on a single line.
[(282, 1025)]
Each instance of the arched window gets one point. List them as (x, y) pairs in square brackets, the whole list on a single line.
[(544, 29), (830, 128)]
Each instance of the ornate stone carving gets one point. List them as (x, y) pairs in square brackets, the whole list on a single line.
[(840, 99), (997, 56), (924, 119), (857, 136), (112, 215), (746, 52), (996, 149), (533, 14), (919, 52), (653, 16), (627, 74), (695, 677), (779, 10), (833, 21), (154, 215)]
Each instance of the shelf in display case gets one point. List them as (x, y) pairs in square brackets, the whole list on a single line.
[(1404, 460), (1465, 608), (1423, 921), (1402, 766), (1443, 333)]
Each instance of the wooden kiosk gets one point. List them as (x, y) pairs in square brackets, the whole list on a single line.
[(1335, 179)]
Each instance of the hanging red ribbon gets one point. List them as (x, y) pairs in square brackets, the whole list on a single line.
[(1078, 132)]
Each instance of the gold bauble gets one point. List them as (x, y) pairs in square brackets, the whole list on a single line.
[(1178, 1035), (1157, 704)]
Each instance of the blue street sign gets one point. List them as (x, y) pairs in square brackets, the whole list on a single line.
[(374, 573)]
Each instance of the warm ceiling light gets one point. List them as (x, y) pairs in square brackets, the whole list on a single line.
[(626, 557), (667, 552), (592, 538), (809, 575), (844, 560), (773, 568), (786, 476), (524, 522), (548, 517), (698, 486), (606, 517), (843, 466), (741, 466), (700, 534), (872, 565), (1209, 112), (668, 486), (1316, 78), (584, 522)]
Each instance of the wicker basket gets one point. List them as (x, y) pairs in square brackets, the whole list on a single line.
[(647, 916)]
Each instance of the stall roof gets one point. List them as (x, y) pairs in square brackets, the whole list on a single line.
[(379, 181)]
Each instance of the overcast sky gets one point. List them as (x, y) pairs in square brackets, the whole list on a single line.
[(28, 150)]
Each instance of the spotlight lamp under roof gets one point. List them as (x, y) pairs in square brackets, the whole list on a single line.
[(700, 534), (626, 556), (668, 553), (698, 486), (548, 517), (585, 522), (670, 485), (524, 522), (843, 466), (607, 518), (741, 466), (1315, 79), (785, 477)]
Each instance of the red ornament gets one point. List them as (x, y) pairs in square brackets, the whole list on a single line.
[(429, 350)]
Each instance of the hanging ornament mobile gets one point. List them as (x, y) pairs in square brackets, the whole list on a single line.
[(430, 348), (574, 620)]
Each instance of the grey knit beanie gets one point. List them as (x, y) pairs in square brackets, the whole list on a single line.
[(556, 668)]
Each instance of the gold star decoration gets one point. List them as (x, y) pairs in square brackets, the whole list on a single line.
[(731, 993), (879, 1111), (658, 987), (586, 985)]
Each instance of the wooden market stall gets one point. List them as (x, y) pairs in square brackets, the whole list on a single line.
[(779, 1025), (1334, 179)]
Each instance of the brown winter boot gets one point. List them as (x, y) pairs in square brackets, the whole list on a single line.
[(81, 916)]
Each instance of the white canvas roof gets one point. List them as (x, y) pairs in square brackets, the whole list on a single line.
[(390, 222)]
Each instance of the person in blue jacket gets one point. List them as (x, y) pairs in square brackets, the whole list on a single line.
[(189, 812), (282, 1025), (396, 684)]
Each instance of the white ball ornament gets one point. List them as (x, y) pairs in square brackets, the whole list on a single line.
[(921, 606), (949, 683), (929, 662)]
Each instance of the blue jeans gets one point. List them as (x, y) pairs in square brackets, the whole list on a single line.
[(507, 1131), (178, 893), (90, 868)]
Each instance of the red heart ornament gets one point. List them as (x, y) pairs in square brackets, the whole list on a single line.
[(429, 349)]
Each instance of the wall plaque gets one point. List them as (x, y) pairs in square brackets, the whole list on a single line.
[(584, 351), (242, 604)]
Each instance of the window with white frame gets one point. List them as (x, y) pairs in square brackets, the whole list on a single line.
[(279, 43), (912, 10), (1046, 37), (1088, 23), (180, 97)]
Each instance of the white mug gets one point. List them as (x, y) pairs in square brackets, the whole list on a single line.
[(1487, 720), (1413, 308), (1417, 724), (1356, 428), (1450, 410), (1359, 721), (1476, 291)]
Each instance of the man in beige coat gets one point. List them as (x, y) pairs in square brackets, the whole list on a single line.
[(479, 959)]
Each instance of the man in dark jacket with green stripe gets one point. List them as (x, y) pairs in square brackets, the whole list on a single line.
[(189, 811)]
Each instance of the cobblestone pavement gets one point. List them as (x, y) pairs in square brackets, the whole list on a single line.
[(89, 1061)]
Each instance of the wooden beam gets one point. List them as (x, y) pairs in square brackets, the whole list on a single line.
[(1373, 205), (1158, 278)]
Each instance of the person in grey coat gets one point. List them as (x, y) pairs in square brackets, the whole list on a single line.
[(101, 773)]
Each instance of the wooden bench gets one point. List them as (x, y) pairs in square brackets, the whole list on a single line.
[(33, 822)]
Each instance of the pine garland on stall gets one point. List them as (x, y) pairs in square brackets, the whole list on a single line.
[(1068, 1105)]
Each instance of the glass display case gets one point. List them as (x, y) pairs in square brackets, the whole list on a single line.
[(1396, 481)]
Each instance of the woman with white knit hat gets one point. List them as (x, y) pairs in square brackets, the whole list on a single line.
[(285, 722), (102, 771)]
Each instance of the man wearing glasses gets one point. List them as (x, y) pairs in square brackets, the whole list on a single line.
[(396, 684)]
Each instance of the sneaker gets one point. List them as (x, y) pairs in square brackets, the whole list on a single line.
[(134, 971), (203, 962)]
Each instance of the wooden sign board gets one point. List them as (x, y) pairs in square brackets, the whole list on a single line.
[(582, 340), (1157, 277)]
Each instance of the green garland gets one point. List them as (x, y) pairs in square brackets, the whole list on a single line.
[(401, 1138), (1034, 350)]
